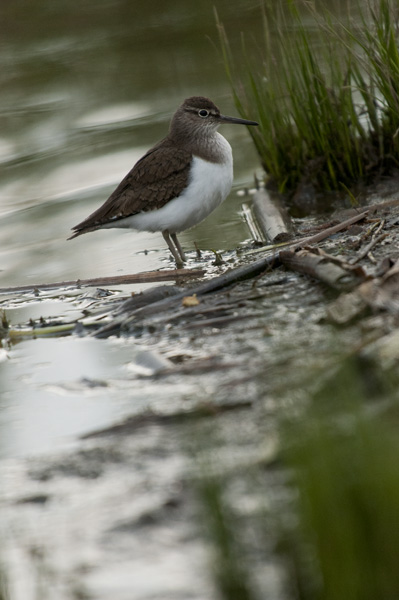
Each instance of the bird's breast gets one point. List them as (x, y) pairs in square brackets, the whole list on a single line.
[(208, 185)]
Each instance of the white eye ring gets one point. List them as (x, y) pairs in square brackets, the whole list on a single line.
[(203, 113)]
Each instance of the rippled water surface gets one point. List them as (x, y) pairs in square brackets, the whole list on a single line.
[(87, 88)]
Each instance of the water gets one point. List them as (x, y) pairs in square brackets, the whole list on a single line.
[(86, 90)]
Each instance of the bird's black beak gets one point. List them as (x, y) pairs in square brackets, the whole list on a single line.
[(235, 120)]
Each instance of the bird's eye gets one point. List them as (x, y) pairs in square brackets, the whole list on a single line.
[(203, 113)]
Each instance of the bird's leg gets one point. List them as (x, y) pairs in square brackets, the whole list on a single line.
[(179, 262), (179, 248)]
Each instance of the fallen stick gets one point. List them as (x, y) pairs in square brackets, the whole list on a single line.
[(322, 235), (271, 217), (366, 249), (146, 277), (322, 267)]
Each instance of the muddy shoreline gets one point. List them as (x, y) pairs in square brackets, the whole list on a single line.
[(117, 514)]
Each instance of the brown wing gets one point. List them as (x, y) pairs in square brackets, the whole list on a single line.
[(159, 176)]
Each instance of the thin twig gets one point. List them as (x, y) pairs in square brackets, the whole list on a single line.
[(374, 241), (146, 277), (322, 235)]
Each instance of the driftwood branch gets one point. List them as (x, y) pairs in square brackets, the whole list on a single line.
[(146, 277), (323, 267), (271, 216)]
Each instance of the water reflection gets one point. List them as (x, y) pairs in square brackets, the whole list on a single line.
[(66, 391)]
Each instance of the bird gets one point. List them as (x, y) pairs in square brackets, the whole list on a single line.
[(177, 183)]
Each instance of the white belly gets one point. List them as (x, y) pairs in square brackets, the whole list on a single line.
[(209, 184)]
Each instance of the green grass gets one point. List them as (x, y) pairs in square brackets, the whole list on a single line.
[(4, 595), (336, 532), (345, 542), (325, 91), (230, 571)]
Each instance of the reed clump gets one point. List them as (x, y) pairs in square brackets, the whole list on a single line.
[(329, 525), (344, 541), (325, 90)]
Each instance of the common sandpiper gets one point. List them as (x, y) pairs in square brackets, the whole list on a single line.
[(177, 183)]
